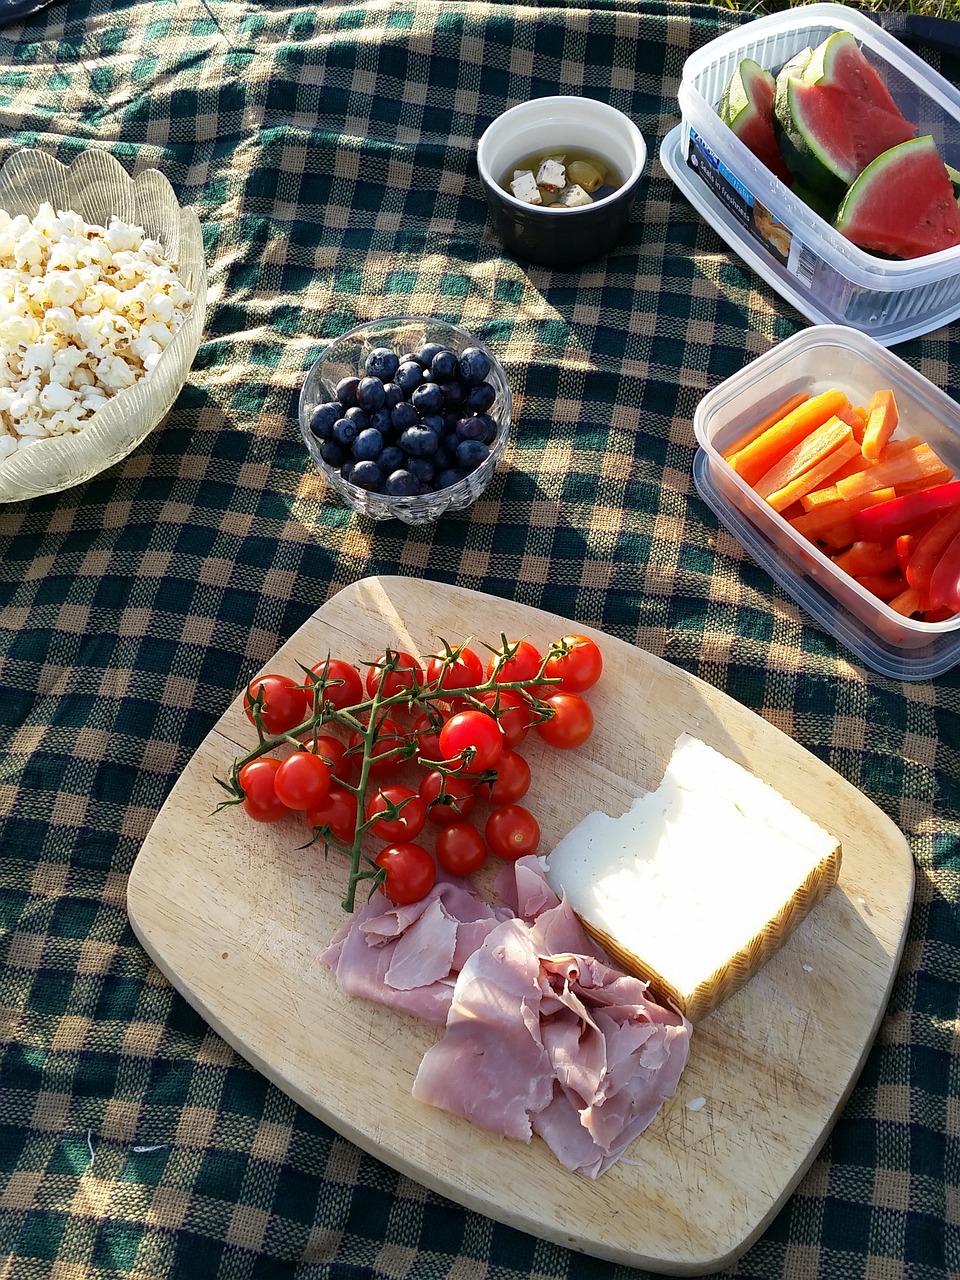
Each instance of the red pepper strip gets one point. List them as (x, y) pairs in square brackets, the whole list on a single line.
[(883, 522), (905, 546), (945, 580), (930, 548), (868, 557), (882, 585)]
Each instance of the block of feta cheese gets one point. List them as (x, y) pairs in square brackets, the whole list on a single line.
[(698, 884), (524, 187), (551, 176), (572, 196)]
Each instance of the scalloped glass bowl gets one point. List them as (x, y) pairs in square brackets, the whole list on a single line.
[(95, 185), (344, 358)]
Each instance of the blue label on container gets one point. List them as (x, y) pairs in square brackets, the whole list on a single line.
[(738, 199)]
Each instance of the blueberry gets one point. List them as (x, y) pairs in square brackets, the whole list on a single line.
[(357, 415), (392, 459), (490, 428), (480, 398), (444, 479), (392, 394), (422, 468), (474, 365), (381, 421), (401, 484), (470, 454), (409, 374), (346, 391), (366, 475), (433, 422), (381, 363), (403, 415), (427, 398), (345, 431), (368, 445), (445, 366), (346, 469), (333, 454), (411, 357), (454, 395), (427, 352), (370, 394), (419, 442), (471, 429), (323, 418)]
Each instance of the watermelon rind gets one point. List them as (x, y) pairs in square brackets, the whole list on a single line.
[(839, 61), (746, 107), (827, 136), (902, 204)]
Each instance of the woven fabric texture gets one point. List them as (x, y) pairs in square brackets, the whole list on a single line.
[(329, 151)]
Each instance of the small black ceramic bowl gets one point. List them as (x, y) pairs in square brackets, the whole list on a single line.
[(549, 235)]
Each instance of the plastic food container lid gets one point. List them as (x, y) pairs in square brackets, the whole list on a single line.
[(814, 360)]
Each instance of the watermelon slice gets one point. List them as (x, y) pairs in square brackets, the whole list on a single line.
[(828, 136), (902, 204), (841, 63), (747, 107)]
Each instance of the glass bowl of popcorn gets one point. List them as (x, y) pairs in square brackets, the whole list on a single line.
[(102, 307)]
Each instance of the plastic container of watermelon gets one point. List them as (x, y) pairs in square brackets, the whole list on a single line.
[(817, 359), (826, 277)]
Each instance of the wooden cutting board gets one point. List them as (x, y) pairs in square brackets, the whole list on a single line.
[(236, 913)]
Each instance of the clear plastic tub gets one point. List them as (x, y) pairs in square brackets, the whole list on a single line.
[(826, 277), (815, 360)]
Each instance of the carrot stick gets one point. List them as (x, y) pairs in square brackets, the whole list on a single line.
[(882, 419), (780, 499), (814, 524), (755, 459), (791, 403), (906, 603), (902, 468), (809, 452), (855, 418)]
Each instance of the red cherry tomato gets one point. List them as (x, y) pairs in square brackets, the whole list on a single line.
[(427, 734), (461, 668), (302, 780), (571, 723), (410, 819), (283, 703), (473, 735), (513, 779), (337, 811), (334, 752), (514, 714), (343, 685), (578, 666), (447, 799), (511, 832), (517, 660), (393, 672), (259, 796), (411, 872), (387, 750), (461, 849)]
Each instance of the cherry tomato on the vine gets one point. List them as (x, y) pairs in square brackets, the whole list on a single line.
[(302, 780), (448, 799), (334, 752), (343, 685), (511, 832), (461, 849), (571, 723), (338, 812), (283, 704), (579, 667), (393, 672), (514, 714), (411, 872), (387, 749), (513, 779), (474, 735), (410, 819), (259, 796), (518, 660), (427, 734), (460, 669)]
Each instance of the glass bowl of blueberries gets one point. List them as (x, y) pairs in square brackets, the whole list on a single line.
[(406, 417)]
